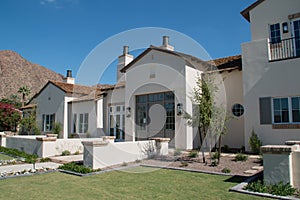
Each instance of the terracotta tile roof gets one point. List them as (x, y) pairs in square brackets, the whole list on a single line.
[(73, 88), (227, 63), (104, 87), (95, 95)]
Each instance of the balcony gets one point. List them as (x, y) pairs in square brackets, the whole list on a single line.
[(284, 49)]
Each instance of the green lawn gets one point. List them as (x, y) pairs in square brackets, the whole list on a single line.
[(5, 157), (159, 184)]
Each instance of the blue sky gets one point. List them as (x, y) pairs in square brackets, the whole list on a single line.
[(59, 34)]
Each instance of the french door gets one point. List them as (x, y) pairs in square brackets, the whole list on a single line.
[(296, 35), (117, 122), (155, 116)]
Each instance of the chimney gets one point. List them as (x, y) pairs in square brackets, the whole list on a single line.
[(69, 79), (123, 60), (166, 44), (69, 73)]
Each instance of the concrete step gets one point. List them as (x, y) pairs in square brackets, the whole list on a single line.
[(259, 168), (250, 171)]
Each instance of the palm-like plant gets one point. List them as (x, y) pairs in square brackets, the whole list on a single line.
[(25, 91)]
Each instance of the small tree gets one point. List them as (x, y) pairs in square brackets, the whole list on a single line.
[(24, 91), (255, 143), (29, 125), (206, 114)]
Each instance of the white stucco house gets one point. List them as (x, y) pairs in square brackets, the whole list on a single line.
[(271, 68), (151, 93), (153, 89)]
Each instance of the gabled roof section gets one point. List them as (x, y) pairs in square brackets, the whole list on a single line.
[(189, 59), (246, 12)]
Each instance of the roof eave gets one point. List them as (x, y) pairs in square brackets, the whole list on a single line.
[(245, 12)]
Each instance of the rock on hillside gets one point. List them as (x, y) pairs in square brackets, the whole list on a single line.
[(15, 72)]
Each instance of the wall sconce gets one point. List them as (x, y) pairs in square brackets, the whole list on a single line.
[(179, 109), (128, 112), (285, 27)]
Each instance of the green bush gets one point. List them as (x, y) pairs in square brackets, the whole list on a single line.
[(76, 153), (77, 168), (66, 153), (215, 156), (226, 170), (57, 128), (280, 188), (255, 143), (183, 164), (45, 160), (177, 152), (124, 164), (193, 154), (241, 157), (214, 163), (29, 158)]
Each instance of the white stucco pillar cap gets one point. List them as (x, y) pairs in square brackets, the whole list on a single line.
[(278, 149), (160, 139)]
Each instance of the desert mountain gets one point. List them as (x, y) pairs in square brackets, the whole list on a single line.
[(15, 72)]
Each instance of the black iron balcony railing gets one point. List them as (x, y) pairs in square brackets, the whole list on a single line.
[(284, 49)]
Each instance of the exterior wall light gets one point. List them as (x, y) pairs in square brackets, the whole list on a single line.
[(285, 27), (128, 112), (179, 109)]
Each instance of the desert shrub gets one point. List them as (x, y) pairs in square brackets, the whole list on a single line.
[(45, 159), (137, 161), (241, 157), (124, 164), (280, 188), (177, 152), (216, 155), (66, 153), (214, 163), (255, 143), (74, 167), (183, 164), (193, 154), (226, 170), (76, 153)]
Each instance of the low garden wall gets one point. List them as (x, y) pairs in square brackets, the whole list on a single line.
[(282, 163), (101, 154), (45, 146)]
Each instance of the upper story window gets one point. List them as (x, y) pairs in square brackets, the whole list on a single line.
[(286, 110), (275, 35)]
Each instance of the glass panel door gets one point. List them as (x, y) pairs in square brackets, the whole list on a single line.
[(296, 34), (117, 122)]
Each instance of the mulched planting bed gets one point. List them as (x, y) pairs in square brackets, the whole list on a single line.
[(228, 161)]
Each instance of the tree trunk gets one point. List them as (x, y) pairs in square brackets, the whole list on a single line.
[(219, 149), (201, 139)]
